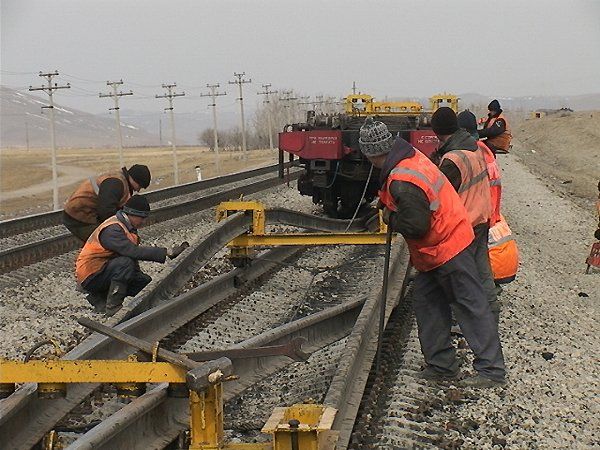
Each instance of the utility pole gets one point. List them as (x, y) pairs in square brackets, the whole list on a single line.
[(115, 96), (214, 94), (49, 89), (160, 131), (240, 82), (27, 134), (267, 101), (354, 87), (170, 95), (288, 97)]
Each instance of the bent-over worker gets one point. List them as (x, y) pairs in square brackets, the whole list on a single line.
[(98, 198), (421, 204), (108, 265)]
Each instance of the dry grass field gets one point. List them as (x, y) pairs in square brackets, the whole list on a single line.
[(26, 176)]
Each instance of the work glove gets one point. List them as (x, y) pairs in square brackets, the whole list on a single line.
[(174, 252), (380, 204), (597, 234), (387, 214)]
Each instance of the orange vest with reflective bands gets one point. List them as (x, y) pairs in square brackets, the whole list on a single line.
[(503, 251), (93, 256), (83, 203), (474, 190), (450, 231), (495, 178), (501, 141)]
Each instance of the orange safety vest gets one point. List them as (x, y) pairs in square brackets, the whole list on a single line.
[(450, 231), (503, 251), (83, 203), (501, 141), (495, 177), (93, 255), (474, 190)]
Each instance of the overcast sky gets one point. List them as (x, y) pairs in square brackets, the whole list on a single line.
[(395, 48)]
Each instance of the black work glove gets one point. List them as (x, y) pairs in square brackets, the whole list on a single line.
[(387, 214), (597, 234), (174, 252), (380, 204)]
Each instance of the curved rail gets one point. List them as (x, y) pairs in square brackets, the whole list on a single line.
[(24, 419)]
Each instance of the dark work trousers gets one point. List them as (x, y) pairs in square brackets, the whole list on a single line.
[(121, 268), (479, 247), (80, 230), (456, 284)]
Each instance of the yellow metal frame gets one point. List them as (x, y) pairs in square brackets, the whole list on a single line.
[(435, 101), (371, 107), (206, 406), (258, 237)]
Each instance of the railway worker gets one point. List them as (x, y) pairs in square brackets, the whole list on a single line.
[(464, 164), (108, 265), (468, 122), (421, 204), (496, 130), (98, 198)]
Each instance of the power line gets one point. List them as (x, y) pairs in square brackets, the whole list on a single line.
[(170, 95), (240, 81), (115, 96), (49, 89), (267, 93), (214, 94)]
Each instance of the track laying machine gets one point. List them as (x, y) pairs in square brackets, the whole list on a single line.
[(336, 174)]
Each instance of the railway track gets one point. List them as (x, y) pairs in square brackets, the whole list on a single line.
[(34, 238), (341, 334)]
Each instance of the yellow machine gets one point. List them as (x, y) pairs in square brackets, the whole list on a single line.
[(365, 105)]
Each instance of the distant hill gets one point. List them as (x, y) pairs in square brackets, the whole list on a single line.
[(74, 128)]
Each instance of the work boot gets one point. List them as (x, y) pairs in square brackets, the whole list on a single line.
[(430, 374), (97, 300), (481, 382), (116, 294)]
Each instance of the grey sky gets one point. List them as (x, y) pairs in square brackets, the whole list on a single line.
[(395, 48)]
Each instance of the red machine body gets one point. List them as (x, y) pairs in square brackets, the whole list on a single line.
[(425, 141), (314, 144)]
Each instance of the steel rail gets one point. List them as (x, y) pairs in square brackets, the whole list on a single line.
[(155, 419), (24, 418), (33, 222), (14, 258)]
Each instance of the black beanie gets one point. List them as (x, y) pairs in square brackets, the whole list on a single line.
[(444, 121), (494, 106), (141, 174), (137, 206), (467, 120)]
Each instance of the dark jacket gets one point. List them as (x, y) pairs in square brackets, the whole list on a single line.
[(413, 216), (110, 192), (460, 140), (497, 129), (113, 238)]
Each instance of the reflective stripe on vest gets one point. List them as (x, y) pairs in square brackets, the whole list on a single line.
[(93, 255), (495, 182), (449, 232), (503, 140), (82, 205), (474, 190)]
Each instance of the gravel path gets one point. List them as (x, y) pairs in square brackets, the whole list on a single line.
[(549, 328)]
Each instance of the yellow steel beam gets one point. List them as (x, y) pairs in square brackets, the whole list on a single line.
[(250, 240), (91, 371)]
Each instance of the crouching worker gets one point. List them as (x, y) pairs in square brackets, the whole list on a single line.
[(108, 265), (421, 204)]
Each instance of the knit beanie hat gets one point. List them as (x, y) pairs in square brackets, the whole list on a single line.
[(141, 174), (494, 106), (137, 205), (467, 120), (444, 121), (375, 138)]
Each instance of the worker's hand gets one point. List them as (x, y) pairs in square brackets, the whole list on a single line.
[(174, 252), (380, 204), (597, 234)]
